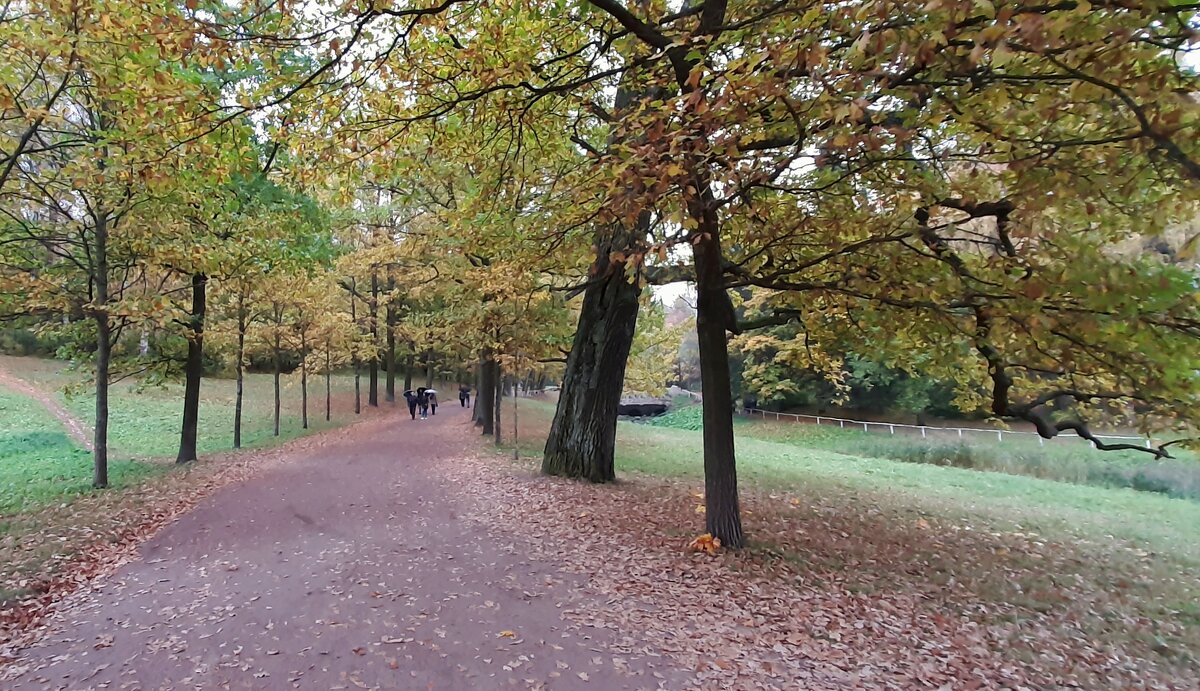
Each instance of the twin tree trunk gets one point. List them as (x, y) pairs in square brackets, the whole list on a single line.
[(193, 370), (583, 435)]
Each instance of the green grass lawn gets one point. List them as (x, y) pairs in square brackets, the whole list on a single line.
[(1024, 555), (39, 463)]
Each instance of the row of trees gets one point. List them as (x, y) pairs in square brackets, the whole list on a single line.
[(944, 188)]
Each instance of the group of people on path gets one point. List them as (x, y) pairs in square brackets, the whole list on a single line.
[(424, 400)]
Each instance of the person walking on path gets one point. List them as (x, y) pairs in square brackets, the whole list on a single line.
[(464, 395), (423, 402), (432, 401), (411, 398)]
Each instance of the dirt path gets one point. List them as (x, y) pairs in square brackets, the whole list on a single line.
[(75, 428), (354, 566)]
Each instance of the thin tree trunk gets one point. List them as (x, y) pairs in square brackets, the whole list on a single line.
[(498, 401), (354, 351), (328, 384), (241, 373), (429, 360), (103, 353), (408, 372), (373, 366), (389, 320), (303, 382), (193, 371), (278, 367)]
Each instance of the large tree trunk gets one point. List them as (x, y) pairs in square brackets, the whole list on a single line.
[(583, 435), (193, 371), (373, 366), (714, 317), (103, 353), (485, 399)]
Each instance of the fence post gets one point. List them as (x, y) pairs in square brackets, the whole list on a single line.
[(960, 432), (777, 415), (999, 435), (865, 427), (818, 419), (892, 428), (922, 431), (1041, 441), (843, 424)]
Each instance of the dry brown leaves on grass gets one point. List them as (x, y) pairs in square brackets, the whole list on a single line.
[(837, 593), (46, 555)]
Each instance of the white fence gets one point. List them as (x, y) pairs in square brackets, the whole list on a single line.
[(925, 430)]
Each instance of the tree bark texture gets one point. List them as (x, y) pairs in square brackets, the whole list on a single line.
[(714, 316), (193, 371), (103, 352), (485, 400)]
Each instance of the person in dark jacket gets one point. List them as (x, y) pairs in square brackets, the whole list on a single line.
[(423, 402), (464, 395), (410, 397), (432, 401)]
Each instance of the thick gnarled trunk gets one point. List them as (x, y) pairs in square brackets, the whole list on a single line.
[(583, 435)]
